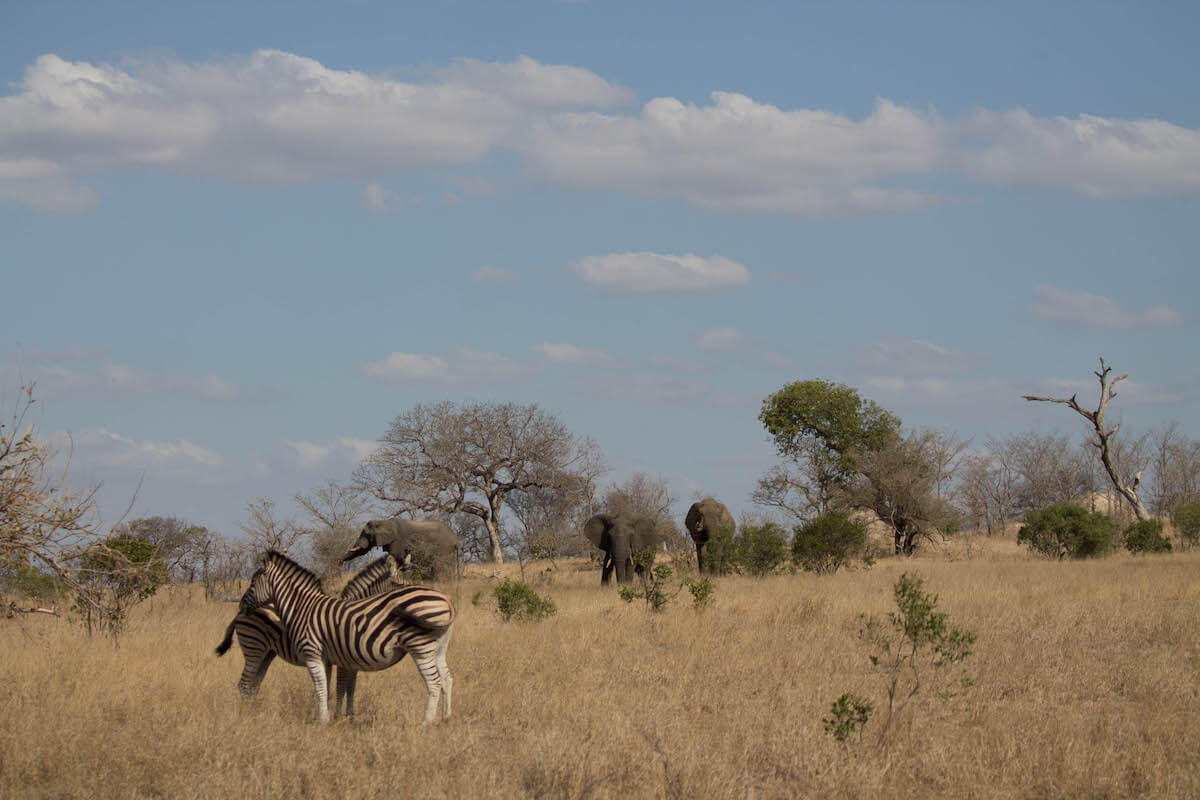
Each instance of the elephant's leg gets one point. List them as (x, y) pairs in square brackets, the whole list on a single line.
[(624, 569), (700, 557), (606, 569)]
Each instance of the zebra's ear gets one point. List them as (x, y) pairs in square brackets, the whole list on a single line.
[(263, 557)]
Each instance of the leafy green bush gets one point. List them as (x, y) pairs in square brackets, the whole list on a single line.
[(825, 544), (759, 549), (1065, 530), (849, 713), (517, 600), (1146, 537), (1186, 519), (720, 552), (28, 581), (112, 577)]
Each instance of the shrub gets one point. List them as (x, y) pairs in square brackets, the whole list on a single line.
[(828, 542), (720, 552), (1186, 519), (1146, 537), (759, 549), (849, 713), (27, 581), (1064, 530), (517, 600)]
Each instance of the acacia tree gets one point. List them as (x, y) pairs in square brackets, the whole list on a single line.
[(822, 430), (445, 458), (1104, 441), (335, 513), (178, 543)]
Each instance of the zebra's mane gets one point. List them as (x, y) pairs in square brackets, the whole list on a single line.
[(370, 579), (303, 579)]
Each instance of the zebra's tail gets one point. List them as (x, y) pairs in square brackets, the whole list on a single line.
[(227, 642)]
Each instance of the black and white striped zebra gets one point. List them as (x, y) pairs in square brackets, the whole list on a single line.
[(261, 635), (363, 635)]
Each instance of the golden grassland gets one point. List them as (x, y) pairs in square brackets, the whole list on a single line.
[(1087, 684)]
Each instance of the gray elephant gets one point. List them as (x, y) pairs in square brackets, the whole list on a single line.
[(620, 536), (428, 545), (703, 520)]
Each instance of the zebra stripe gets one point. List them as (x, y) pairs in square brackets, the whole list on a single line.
[(363, 635), (261, 635)]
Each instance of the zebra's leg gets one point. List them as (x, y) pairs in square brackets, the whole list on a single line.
[(261, 672), (317, 669), (428, 667), (444, 671), (346, 681)]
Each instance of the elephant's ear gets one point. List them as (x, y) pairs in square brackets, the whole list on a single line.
[(693, 519), (595, 527), (645, 534)]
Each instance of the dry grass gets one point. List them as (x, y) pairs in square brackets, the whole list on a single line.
[(1086, 686)]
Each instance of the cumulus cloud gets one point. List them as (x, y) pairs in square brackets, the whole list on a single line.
[(1084, 308), (644, 273), (307, 453), (723, 340), (461, 367), (278, 117), (1090, 155), (105, 448), (529, 83), (495, 275), (359, 448), (562, 353), (913, 358), (75, 370)]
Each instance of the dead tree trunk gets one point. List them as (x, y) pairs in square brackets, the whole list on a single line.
[(1127, 490)]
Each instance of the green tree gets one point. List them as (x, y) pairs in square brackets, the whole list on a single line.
[(827, 543), (1186, 519), (112, 577), (1146, 537), (1064, 530), (760, 548), (823, 429)]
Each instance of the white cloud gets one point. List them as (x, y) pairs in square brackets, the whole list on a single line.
[(360, 448), (1084, 308), (307, 453), (562, 353), (461, 367), (1091, 155), (495, 275), (641, 273), (723, 340), (740, 154), (105, 448), (400, 366), (377, 199), (277, 117), (93, 374), (913, 358), (529, 83)]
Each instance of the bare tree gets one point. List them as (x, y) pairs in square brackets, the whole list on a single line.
[(1049, 470), (792, 487), (1176, 469), (177, 542), (335, 512), (267, 533), (898, 483), (1103, 442), (449, 458)]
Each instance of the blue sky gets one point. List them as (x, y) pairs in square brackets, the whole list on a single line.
[(240, 238)]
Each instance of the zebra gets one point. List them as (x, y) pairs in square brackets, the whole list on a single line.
[(368, 634), (261, 634)]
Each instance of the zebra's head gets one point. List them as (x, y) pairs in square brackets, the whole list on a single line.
[(258, 594)]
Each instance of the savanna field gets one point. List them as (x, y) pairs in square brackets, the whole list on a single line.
[(1086, 683)]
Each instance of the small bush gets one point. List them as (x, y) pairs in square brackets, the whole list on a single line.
[(27, 581), (760, 549), (516, 600), (1146, 537), (1186, 519), (701, 590), (829, 542), (1064, 530), (720, 552), (847, 714)]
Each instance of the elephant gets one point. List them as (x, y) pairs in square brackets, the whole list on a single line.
[(620, 536), (428, 545), (704, 519)]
